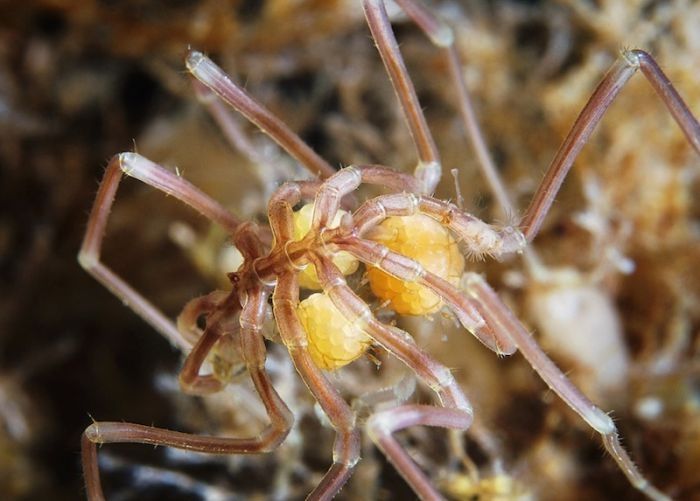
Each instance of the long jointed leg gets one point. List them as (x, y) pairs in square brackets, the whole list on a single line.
[(504, 326), (429, 169), (441, 35), (162, 179), (253, 352), (383, 424), (204, 70), (502, 319), (588, 119), (456, 411), (230, 128), (346, 450)]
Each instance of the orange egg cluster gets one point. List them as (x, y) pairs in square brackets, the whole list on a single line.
[(345, 262), (333, 340), (426, 241)]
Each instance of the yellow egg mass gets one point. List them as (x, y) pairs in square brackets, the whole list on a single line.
[(345, 262), (426, 241), (333, 341)]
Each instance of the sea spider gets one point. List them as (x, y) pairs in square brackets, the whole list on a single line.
[(407, 239)]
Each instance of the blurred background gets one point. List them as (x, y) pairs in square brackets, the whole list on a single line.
[(615, 301)]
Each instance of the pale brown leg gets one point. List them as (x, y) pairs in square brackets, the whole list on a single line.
[(253, 353), (346, 450), (231, 129), (114, 432), (341, 184), (160, 178), (441, 35), (608, 89), (429, 169), (235, 135), (382, 425), (387, 177), (213, 77), (504, 326), (501, 318)]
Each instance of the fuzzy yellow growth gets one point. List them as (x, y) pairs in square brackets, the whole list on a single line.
[(426, 241), (497, 488), (333, 341), (345, 262)]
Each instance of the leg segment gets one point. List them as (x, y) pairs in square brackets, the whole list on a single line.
[(347, 180), (191, 381), (213, 77), (203, 305), (505, 328), (226, 122), (346, 450), (479, 238), (253, 352), (429, 169), (382, 425), (160, 178), (441, 35), (502, 319), (235, 135), (588, 119), (222, 326), (387, 177)]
